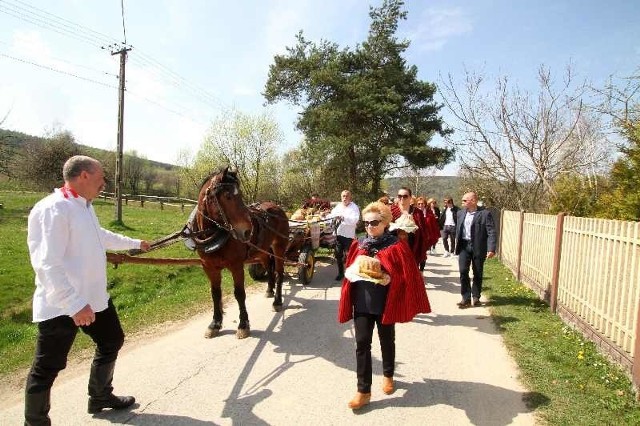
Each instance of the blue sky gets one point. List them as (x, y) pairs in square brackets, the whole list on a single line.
[(193, 60)]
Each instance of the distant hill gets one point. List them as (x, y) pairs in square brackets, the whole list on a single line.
[(17, 139)]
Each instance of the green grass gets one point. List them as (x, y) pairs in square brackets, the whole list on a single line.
[(145, 295), (570, 382)]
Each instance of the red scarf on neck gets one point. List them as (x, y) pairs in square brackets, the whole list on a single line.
[(67, 192)]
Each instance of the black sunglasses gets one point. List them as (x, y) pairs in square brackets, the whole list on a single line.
[(373, 223), (403, 195)]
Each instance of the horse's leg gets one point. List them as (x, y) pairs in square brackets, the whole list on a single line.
[(271, 283), (238, 291), (215, 278), (278, 267), (274, 284)]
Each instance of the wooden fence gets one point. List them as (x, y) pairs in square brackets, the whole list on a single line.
[(161, 201), (589, 272)]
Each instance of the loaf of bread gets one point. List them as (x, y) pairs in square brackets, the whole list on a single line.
[(370, 266)]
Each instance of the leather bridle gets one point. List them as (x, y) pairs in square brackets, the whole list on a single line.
[(211, 196)]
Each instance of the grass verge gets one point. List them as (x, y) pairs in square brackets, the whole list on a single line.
[(570, 382), (145, 295)]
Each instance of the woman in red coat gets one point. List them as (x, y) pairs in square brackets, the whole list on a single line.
[(396, 294), (418, 240)]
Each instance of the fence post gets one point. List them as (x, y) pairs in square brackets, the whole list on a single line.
[(635, 368), (557, 255), (126, 200), (161, 205), (500, 235), (520, 235)]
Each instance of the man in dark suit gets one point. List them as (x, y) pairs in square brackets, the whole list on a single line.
[(475, 242)]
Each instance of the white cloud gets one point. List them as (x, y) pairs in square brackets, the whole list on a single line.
[(437, 26), (30, 44)]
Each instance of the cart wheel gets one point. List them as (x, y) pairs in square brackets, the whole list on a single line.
[(305, 271), (257, 271)]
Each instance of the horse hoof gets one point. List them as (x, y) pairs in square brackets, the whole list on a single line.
[(277, 308), (269, 294), (243, 333), (211, 333)]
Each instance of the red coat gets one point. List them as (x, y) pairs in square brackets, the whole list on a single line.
[(420, 240), (433, 229), (407, 296)]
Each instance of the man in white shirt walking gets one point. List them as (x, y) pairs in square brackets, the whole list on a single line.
[(67, 247), (349, 213)]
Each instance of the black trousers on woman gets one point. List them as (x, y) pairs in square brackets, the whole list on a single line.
[(363, 324)]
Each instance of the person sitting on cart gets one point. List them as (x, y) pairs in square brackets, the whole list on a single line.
[(349, 214), (317, 205)]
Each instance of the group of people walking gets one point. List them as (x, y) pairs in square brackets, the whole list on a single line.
[(383, 285), (380, 272)]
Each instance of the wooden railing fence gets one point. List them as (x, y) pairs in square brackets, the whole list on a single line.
[(161, 201), (587, 269)]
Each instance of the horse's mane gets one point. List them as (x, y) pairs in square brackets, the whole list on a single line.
[(229, 177)]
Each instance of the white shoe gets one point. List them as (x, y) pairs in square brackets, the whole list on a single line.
[(447, 254)]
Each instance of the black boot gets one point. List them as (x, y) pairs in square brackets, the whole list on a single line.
[(36, 409), (100, 390)]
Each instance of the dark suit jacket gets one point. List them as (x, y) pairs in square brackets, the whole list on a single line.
[(483, 232), (443, 215)]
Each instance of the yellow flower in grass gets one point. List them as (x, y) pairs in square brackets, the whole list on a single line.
[(581, 355)]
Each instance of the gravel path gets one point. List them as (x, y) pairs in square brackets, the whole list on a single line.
[(298, 367)]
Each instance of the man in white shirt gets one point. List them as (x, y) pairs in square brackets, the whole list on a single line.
[(68, 247), (448, 220), (349, 213)]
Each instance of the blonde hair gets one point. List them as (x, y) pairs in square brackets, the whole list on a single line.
[(431, 200), (382, 209), (420, 199), (384, 199)]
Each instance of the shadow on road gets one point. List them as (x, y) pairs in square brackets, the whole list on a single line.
[(308, 329), (482, 403), (119, 417)]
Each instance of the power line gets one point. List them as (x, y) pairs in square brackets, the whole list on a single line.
[(96, 70), (46, 20), (35, 64), (140, 97), (52, 24)]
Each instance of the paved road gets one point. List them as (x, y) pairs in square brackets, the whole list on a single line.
[(298, 367)]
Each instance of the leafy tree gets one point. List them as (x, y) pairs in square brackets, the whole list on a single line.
[(40, 162), (364, 108), (133, 169), (7, 150), (245, 142), (622, 104), (302, 174), (577, 194)]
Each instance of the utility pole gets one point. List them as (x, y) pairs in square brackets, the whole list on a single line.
[(118, 187)]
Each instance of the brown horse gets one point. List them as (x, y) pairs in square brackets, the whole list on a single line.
[(259, 234)]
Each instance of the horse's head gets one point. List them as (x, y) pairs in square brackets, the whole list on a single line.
[(220, 202)]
